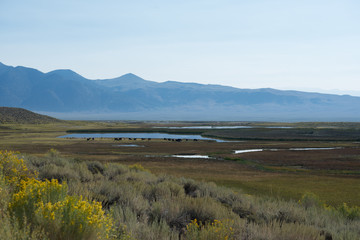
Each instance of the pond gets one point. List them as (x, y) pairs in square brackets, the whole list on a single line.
[(140, 136), (223, 127), (206, 127), (290, 149)]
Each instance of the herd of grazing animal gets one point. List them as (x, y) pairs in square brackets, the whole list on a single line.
[(143, 139)]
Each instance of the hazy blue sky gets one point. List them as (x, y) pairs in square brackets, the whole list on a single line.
[(284, 44)]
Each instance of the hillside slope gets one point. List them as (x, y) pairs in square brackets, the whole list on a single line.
[(19, 115)]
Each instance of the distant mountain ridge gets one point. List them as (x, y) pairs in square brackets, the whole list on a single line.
[(129, 96)]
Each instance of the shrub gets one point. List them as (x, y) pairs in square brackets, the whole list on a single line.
[(178, 212), (13, 168), (351, 213), (164, 190), (85, 175), (141, 228), (74, 218), (52, 153), (33, 192), (137, 168), (95, 167), (47, 204), (61, 173), (310, 200), (210, 231), (113, 169)]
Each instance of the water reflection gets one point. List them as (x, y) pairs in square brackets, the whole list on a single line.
[(290, 149), (191, 156), (143, 136)]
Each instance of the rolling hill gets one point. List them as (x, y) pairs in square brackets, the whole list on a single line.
[(23, 116), (64, 93)]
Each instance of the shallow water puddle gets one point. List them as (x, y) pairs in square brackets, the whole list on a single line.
[(248, 150), (290, 149), (128, 145), (191, 156), (310, 149)]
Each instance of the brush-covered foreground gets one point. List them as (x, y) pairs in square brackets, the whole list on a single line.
[(53, 197)]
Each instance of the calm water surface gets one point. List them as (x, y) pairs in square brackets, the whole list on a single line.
[(139, 135)]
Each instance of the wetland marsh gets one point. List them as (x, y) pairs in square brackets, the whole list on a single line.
[(309, 157)]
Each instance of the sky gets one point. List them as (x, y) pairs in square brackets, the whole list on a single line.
[(308, 45)]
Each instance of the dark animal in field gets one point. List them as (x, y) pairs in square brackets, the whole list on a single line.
[(149, 139), (178, 140), (195, 140), (88, 139)]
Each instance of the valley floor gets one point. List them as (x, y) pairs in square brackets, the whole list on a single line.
[(285, 169)]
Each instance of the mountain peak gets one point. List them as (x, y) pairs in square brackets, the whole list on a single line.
[(66, 73), (130, 76)]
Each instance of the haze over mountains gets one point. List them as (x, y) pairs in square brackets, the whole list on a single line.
[(66, 94)]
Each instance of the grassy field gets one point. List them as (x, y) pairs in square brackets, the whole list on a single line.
[(334, 174)]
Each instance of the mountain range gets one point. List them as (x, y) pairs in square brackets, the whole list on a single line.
[(66, 94)]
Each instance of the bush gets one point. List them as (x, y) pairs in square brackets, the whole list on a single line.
[(42, 209), (112, 170), (178, 212), (13, 169), (137, 168), (210, 231), (351, 213), (95, 167), (74, 218), (310, 200), (61, 216), (33, 192), (61, 173), (164, 190)]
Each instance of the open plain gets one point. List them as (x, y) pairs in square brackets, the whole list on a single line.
[(292, 158)]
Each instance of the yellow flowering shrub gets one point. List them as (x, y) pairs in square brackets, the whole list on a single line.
[(13, 168), (351, 213), (32, 193), (216, 230), (74, 218), (47, 204), (138, 168)]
